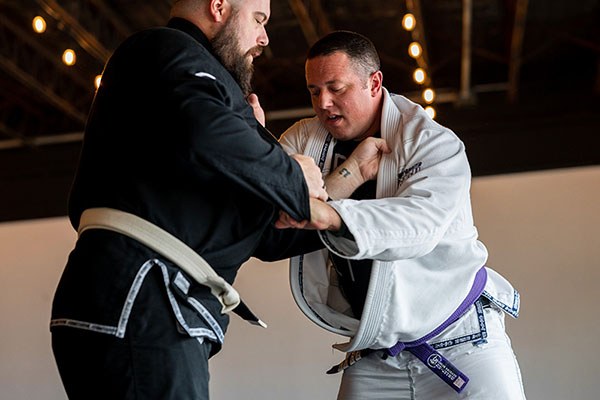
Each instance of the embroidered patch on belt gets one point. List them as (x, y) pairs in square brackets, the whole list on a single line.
[(408, 172)]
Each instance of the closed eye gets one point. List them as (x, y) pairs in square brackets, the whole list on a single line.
[(261, 18)]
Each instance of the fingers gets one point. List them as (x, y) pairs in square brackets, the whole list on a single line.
[(321, 194), (285, 222), (312, 176), (322, 217), (259, 113), (382, 146), (369, 149), (378, 143)]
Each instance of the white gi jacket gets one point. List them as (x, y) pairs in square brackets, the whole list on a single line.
[(419, 231)]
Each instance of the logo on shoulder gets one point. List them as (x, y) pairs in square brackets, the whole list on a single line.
[(408, 172)]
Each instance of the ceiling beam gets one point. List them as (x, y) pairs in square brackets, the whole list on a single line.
[(84, 38), (308, 27), (111, 16), (37, 141), (322, 20), (41, 89), (418, 34), (18, 139), (39, 49), (516, 49), (465, 95)]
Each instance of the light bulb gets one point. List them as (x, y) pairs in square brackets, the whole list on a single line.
[(39, 24), (419, 75), (409, 22), (430, 111), (69, 58), (414, 49), (428, 95), (97, 81)]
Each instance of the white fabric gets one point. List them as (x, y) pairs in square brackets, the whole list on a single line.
[(419, 231), (165, 244), (491, 367)]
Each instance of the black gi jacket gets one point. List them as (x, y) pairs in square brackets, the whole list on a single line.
[(171, 138)]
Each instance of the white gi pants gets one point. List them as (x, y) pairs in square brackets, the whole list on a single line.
[(491, 367)]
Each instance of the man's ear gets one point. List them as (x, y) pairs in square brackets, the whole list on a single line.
[(218, 9), (376, 83)]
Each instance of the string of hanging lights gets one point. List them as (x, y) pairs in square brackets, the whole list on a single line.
[(69, 56), (412, 24)]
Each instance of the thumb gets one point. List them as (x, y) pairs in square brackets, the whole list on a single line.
[(253, 100), (383, 146), (259, 113)]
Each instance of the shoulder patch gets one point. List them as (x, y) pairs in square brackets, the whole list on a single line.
[(408, 172), (205, 75)]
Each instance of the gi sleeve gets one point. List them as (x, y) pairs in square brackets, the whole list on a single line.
[(278, 244), (433, 189)]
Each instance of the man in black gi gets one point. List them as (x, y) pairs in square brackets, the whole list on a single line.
[(170, 139)]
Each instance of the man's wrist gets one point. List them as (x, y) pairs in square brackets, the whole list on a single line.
[(343, 231), (344, 180)]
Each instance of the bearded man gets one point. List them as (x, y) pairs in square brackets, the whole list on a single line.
[(174, 166)]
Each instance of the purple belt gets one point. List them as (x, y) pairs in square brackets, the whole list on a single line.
[(423, 351)]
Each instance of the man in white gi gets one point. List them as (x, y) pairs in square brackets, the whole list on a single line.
[(403, 274)]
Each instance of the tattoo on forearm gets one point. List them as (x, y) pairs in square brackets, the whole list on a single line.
[(344, 172)]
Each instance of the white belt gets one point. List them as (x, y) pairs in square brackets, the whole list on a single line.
[(166, 245)]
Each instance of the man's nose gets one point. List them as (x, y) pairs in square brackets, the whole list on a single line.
[(263, 38), (324, 100)]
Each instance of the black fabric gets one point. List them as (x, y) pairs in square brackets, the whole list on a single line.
[(181, 151), (277, 244), (153, 360), (353, 275)]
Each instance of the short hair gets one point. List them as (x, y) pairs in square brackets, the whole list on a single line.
[(356, 46), (235, 4)]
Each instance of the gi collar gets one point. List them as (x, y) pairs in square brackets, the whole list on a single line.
[(188, 27)]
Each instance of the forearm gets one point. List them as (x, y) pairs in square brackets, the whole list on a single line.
[(360, 167), (322, 217), (344, 180)]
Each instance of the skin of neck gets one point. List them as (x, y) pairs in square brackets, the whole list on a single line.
[(208, 15)]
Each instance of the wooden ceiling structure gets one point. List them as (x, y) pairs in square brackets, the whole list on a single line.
[(517, 80)]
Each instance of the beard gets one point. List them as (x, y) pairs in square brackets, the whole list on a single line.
[(226, 45)]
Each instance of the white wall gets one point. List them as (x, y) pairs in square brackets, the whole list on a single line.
[(32, 255), (541, 230)]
